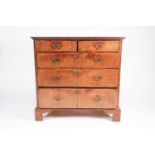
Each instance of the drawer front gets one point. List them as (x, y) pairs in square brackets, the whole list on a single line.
[(56, 60), (84, 60), (98, 78), (98, 98), (99, 60), (57, 78), (57, 98), (54, 46), (103, 46)]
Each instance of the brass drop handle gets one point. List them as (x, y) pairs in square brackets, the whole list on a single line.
[(56, 78), (56, 45), (98, 45), (97, 78), (56, 59), (98, 58), (97, 98), (57, 98)]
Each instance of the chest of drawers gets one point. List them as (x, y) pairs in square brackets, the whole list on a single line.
[(77, 73)]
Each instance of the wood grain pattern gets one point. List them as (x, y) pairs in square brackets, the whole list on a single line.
[(98, 78), (78, 78), (115, 112), (99, 60), (96, 46), (57, 78), (97, 98), (85, 98), (57, 98), (56, 60), (47, 46), (80, 60), (80, 73), (116, 115)]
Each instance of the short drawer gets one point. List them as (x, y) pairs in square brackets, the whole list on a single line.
[(98, 98), (54, 46), (57, 78), (56, 60), (102, 46), (57, 98), (99, 60), (98, 78)]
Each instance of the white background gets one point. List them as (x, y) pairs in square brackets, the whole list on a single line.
[(19, 134), (17, 92)]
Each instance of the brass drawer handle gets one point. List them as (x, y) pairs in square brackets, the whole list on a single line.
[(57, 98), (98, 46), (56, 78), (56, 59), (56, 45), (98, 58), (97, 78), (77, 72), (97, 98)]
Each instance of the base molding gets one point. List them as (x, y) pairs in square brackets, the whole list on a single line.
[(116, 113)]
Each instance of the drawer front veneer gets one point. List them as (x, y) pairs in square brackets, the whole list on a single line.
[(55, 46), (98, 78), (57, 98), (78, 78), (57, 78), (96, 46), (81, 60), (56, 60), (98, 98), (99, 60)]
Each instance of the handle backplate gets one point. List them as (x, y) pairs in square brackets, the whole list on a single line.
[(56, 45), (97, 98), (98, 58), (57, 98), (97, 78), (56, 78), (98, 46), (56, 59)]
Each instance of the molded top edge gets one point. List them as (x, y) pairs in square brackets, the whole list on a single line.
[(78, 38)]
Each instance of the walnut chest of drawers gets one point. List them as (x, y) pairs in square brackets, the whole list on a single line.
[(80, 73)]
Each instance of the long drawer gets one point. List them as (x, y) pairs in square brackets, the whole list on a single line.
[(80, 60), (78, 98), (78, 77)]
